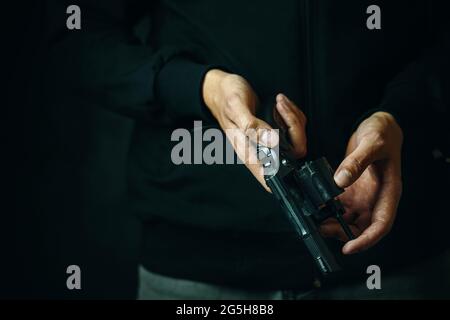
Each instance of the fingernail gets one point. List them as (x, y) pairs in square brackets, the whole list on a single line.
[(280, 97), (347, 249), (343, 177)]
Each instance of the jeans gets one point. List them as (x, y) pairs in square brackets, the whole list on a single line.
[(429, 279)]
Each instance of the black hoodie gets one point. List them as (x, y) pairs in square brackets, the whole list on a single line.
[(145, 61)]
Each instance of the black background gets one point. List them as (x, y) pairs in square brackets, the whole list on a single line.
[(54, 212)]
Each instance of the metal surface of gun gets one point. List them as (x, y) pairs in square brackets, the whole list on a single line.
[(307, 194)]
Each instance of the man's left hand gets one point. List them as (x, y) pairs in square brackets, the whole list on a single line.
[(371, 174)]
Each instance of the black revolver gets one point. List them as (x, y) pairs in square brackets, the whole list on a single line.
[(307, 193)]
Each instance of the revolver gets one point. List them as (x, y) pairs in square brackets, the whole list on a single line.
[(307, 194)]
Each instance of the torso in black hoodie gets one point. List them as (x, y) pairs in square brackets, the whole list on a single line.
[(214, 223)]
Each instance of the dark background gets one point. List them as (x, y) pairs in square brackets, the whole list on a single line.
[(65, 184)]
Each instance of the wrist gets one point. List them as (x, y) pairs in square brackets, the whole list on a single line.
[(211, 88)]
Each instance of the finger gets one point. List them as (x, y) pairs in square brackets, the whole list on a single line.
[(295, 121), (384, 213), (350, 217), (241, 114), (255, 166), (356, 163), (332, 229), (247, 154)]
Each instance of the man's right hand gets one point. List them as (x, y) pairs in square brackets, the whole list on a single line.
[(232, 101)]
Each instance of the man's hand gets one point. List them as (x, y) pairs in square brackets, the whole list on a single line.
[(371, 172), (233, 103)]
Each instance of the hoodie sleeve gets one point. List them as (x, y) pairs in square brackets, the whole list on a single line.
[(108, 63)]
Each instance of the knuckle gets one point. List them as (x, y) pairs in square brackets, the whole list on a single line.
[(292, 121), (378, 139), (303, 117), (232, 99), (354, 165), (250, 124)]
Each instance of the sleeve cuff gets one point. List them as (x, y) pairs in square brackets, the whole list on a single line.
[(179, 87)]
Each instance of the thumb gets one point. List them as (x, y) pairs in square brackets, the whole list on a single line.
[(356, 163)]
